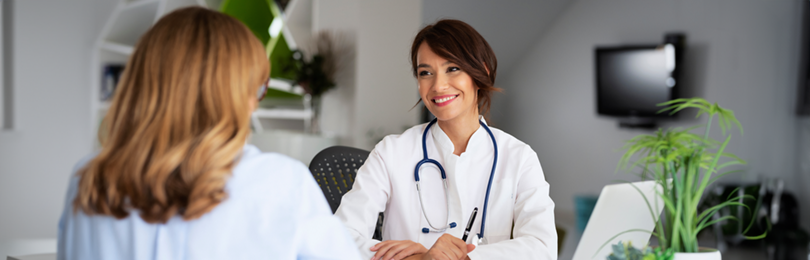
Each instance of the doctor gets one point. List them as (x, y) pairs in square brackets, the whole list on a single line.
[(483, 167)]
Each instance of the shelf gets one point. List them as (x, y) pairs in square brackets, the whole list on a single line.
[(299, 12), (298, 25), (286, 86), (133, 20), (283, 113), (213, 4), (118, 48)]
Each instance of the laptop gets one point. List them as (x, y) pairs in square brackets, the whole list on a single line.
[(620, 207)]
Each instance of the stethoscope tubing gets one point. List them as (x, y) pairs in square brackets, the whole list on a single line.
[(425, 159), (491, 175)]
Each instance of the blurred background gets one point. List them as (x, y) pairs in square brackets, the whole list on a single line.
[(61, 59)]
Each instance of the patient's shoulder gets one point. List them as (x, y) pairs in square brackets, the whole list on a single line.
[(259, 174)]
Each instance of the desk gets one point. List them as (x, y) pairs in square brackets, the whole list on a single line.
[(566, 219), (18, 247)]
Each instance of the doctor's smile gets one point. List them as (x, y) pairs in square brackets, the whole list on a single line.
[(444, 100)]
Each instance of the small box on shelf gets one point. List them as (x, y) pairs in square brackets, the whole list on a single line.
[(110, 75)]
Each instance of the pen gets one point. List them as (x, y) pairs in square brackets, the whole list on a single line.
[(469, 225)]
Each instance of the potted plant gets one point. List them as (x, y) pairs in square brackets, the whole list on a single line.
[(316, 75), (685, 164), (628, 252)]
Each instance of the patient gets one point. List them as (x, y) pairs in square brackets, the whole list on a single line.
[(174, 178)]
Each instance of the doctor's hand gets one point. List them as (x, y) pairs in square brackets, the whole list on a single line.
[(397, 249), (448, 247)]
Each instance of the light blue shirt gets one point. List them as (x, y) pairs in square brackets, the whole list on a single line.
[(274, 210)]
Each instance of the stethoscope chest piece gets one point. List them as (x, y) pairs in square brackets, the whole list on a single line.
[(478, 240)]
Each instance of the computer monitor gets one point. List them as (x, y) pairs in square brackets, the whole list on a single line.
[(620, 207)]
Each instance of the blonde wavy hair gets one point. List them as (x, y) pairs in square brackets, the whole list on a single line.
[(178, 121)]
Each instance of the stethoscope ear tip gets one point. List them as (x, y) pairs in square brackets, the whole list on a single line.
[(452, 224), (425, 230)]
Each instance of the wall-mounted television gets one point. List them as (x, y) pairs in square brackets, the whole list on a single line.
[(632, 80)]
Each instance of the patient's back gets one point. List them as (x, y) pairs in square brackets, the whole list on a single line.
[(274, 210)]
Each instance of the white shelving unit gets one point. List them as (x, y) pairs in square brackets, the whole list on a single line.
[(305, 113), (132, 18), (297, 30)]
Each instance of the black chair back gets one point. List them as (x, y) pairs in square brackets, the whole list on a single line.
[(334, 169)]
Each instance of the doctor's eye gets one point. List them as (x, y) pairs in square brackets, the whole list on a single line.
[(424, 73), (453, 69)]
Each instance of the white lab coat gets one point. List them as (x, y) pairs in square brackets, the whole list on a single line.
[(519, 194)]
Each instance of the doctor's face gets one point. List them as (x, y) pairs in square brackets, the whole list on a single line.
[(447, 91)]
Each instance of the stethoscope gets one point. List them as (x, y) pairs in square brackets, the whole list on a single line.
[(444, 181)]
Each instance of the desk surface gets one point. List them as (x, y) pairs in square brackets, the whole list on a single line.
[(566, 220), (51, 256), (18, 247)]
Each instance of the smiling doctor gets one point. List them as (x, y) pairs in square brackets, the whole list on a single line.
[(429, 179)]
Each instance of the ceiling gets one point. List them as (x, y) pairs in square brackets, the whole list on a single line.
[(511, 27)]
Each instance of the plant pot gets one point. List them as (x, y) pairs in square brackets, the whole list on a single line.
[(704, 254)]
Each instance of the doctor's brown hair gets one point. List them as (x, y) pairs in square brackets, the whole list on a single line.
[(461, 44), (178, 121)]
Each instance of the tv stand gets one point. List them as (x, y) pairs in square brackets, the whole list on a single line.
[(638, 122)]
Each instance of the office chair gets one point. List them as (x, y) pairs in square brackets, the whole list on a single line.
[(334, 168)]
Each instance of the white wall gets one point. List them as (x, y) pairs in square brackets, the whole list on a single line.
[(509, 26), (377, 91), (342, 18), (742, 54), (52, 43)]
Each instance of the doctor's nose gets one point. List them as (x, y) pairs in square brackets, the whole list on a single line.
[(442, 83)]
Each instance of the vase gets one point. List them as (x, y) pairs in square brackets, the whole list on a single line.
[(703, 254)]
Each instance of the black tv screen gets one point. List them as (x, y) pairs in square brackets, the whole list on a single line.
[(631, 81)]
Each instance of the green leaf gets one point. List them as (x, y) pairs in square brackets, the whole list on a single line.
[(706, 224)]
